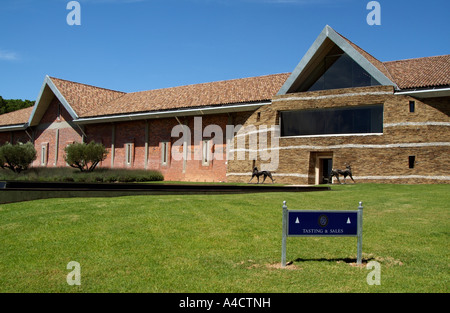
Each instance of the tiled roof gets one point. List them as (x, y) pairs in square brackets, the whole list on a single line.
[(375, 62), (86, 102), (412, 73), (15, 117), (85, 98), (91, 101), (421, 72)]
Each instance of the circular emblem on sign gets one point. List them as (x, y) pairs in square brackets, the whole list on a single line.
[(323, 220)]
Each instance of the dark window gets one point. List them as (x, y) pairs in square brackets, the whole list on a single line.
[(412, 106), (258, 116), (329, 121), (412, 161), (341, 71)]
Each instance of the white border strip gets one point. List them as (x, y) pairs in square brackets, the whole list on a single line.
[(354, 177), (273, 174), (403, 177), (346, 146), (417, 124)]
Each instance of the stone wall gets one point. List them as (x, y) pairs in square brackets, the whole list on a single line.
[(422, 134)]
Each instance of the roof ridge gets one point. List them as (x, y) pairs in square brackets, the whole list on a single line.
[(411, 59), (212, 82), (88, 85), (381, 62)]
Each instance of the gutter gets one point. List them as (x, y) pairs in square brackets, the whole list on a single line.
[(172, 113), (13, 127), (426, 93)]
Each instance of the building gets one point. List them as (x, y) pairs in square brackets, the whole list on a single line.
[(388, 120)]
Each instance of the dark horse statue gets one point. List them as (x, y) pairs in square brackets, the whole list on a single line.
[(257, 173), (337, 172)]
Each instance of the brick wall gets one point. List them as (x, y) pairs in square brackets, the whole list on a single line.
[(54, 132), (147, 155), (373, 157)]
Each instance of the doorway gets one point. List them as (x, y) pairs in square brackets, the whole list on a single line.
[(324, 164), (327, 165)]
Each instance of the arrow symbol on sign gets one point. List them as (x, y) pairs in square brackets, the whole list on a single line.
[(348, 221), (297, 221)]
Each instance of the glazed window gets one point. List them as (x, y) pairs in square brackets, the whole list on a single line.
[(339, 70), (412, 106), (164, 153), (129, 153), (206, 147), (332, 121), (44, 154)]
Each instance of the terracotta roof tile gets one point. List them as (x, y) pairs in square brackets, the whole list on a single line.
[(85, 98), (16, 117), (208, 94), (377, 63), (412, 73), (421, 72)]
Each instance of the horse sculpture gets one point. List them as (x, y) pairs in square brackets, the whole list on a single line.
[(257, 173), (337, 172)]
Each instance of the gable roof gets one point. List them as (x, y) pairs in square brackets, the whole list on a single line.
[(90, 103), (236, 91), (327, 39), (86, 103), (83, 98)]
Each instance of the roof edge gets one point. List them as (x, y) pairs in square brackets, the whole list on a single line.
[(341, 42), (48, 82), (237, 107)]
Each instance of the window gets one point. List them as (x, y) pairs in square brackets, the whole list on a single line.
[(164, 153), (412, 161), (331, 121), (339, 70), (128, 153), (44, 154), (258, 116), (206, 147), (412, 106), (58, 113)]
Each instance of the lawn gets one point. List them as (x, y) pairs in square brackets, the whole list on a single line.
[(225, 243)]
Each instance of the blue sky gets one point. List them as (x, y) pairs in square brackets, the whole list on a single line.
[(134, 45)]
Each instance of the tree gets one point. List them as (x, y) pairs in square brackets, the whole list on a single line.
[(85, 157), (17, 157), (10, 105)]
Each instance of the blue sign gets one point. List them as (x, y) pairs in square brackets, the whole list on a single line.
[(322, 223)]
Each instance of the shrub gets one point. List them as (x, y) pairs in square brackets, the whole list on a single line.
[(85, 157), (17, 157)]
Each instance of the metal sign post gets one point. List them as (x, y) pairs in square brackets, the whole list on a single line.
[(304, 223)]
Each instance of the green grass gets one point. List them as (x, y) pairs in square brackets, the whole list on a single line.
[(225, 243)]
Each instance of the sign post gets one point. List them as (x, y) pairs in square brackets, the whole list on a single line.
[(305, 223)]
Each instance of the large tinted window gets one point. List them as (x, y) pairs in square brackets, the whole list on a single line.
[(340, 71), (348, 120)]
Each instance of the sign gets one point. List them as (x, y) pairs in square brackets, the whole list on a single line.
[(303, 223), (322, 223)]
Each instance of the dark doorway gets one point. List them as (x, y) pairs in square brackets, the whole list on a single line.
[(325, 169)]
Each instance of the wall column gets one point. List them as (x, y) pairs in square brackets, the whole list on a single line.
[(113, 140)]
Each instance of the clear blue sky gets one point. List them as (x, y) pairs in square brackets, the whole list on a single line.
[(134, 45)]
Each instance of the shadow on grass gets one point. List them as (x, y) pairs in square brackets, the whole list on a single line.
[(337, 260)]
